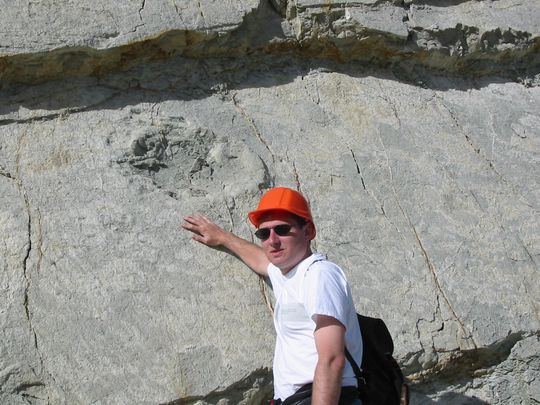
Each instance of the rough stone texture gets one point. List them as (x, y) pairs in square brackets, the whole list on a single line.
[(34, 26), (411, 126)]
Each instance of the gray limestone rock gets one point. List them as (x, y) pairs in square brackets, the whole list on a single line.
[(34, 26), (412, 127)]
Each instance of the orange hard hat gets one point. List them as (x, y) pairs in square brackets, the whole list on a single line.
[(281, 199)]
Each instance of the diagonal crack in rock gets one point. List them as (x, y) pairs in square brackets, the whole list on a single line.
[(29, 249)]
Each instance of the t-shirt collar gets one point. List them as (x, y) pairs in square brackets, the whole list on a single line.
[(304, 264)]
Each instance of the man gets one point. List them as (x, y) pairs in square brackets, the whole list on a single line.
[(314, 316)]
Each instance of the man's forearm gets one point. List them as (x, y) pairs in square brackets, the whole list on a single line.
[(329, 341), (249, 253), (327, 382)]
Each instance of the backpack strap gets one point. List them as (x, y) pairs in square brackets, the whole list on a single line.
[(357, 370), (359, 374)]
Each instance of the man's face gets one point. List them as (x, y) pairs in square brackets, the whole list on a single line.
[(288, 250)]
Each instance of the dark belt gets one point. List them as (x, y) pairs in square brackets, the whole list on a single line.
[(303, 396)]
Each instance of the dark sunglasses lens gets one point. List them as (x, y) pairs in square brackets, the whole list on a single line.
[(282, 230), (263, 233)]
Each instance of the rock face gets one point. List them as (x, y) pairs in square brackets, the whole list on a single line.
[(412, 127)]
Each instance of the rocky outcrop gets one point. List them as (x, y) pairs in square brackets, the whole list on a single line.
[(412, 126), (471, 38)]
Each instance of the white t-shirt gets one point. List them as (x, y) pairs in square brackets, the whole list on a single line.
[(314, 287)]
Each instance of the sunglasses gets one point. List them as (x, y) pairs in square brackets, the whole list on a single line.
[(281, 230)]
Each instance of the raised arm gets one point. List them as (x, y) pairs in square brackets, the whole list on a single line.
[(211, 235)]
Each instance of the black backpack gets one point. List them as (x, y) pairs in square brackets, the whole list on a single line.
[(380, 380)]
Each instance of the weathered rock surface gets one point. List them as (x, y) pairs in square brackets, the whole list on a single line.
[(413, 127)]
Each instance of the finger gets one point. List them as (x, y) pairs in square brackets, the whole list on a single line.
[(187, 222), (192, 219), (193, 229), (190, 226), (198, 238), (187, 226)]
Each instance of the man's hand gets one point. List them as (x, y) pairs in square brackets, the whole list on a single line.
[(210, 234), (330, 343), (205, 231)]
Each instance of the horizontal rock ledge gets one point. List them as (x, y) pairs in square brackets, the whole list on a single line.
[(466, 39), (372, 48)]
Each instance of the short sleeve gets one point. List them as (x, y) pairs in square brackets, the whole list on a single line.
[(325, 292)]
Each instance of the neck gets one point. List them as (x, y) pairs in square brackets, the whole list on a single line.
[(306, 255)]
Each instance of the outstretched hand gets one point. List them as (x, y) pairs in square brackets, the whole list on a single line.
[(205, 231), (211, 235)]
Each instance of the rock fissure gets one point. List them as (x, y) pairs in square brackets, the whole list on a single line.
[(532, 300), (39, 241), (60, 114), (230, 211), (468, 139), (329, 5), (201, 12), (488, 159), (357, 167), (27, 279), (296, 177), (372, 195), (268, 180), (28, 251), (140, 11), (34, 119), (113, 19), (263, 286), (27, 256), (315, 101), (391, 103), (492, 156), (252, 124), (20, 389), (526, 249), (458, 126), (467, 336)]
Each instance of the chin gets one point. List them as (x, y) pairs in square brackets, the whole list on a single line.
[(277, 263), (284, 267)]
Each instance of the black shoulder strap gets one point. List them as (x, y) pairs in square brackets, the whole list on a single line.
[(312, 263), (354, 365), (357, 371)]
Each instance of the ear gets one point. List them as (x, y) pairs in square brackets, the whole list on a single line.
[(310, 230)]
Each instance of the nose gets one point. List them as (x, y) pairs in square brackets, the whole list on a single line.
[(274, 238)]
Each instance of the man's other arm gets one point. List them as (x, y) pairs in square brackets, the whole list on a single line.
[(211, 235), (330, 345)]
